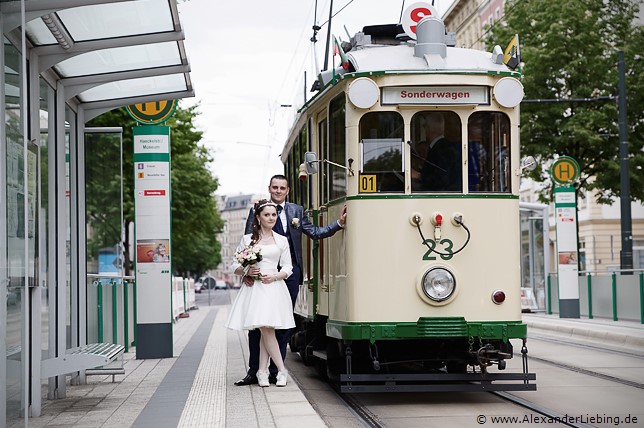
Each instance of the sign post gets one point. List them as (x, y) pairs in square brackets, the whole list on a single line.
[(564, 172), (152, 237)]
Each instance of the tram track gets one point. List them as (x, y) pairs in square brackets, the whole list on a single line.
[(587, 372), (361, 411), (548, 413), (582, 370)]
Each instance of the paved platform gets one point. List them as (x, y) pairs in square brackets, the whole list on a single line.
[(195, 388), (627, 334)]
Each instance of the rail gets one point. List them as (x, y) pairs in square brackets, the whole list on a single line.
[(111, 307), (616, 295)]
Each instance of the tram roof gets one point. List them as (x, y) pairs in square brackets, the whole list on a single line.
[(110, 53), (373, 58)]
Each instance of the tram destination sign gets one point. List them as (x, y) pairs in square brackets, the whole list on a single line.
[(153, 112), (435, 95)]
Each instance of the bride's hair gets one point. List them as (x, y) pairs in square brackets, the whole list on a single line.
[(257, 209)]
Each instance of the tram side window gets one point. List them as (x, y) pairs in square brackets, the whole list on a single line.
[(337, 148), (381, 147), (436, 161), (323, 182), (488, 152)]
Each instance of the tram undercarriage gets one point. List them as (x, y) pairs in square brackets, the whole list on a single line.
[(412, 365)]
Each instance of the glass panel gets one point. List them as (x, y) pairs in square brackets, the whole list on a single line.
[(602, 298), (436, 152), (121, 59), (488, 152), (381, 144), (39, 34), (136, 87), (103, 214), (628, 297), (337, 149), (323, 152), (13, 272), (532, 255), (117, 19), (638, 254), (47, 127), (70, 138)]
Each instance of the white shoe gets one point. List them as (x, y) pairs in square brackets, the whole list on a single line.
[(262, 378), (281, 378)]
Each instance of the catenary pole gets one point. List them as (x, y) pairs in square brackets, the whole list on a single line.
[(626, 258)]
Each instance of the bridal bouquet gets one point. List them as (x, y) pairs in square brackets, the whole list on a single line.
[(249, 256)]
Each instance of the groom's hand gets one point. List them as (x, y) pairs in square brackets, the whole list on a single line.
[(343, 216)]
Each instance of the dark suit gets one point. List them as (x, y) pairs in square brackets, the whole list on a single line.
[(441, 170), (294, 235)]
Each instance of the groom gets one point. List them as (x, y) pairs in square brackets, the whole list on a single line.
[(292, 223)]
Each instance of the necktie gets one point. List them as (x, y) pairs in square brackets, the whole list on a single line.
[(278, 224)]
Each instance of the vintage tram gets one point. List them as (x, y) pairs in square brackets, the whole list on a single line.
[(421, 291)]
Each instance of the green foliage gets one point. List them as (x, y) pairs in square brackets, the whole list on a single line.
[(195, 219), (570, 51)]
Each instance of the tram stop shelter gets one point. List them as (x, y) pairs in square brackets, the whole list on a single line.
[(64, 62)]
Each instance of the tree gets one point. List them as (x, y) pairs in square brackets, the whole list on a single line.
[(570, 51), (195, 219)]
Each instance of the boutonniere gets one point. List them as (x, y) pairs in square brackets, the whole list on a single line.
[(295, 223)]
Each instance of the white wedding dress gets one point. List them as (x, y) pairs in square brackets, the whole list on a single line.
[(264, 305)]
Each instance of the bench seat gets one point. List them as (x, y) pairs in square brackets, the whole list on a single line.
[(82, 358)]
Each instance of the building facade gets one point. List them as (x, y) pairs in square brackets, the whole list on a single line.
[(234, 211)]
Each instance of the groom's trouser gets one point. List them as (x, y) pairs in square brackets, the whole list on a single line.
[(283, 336)]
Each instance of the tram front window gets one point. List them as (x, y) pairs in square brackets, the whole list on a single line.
[(488, 152), (436, 163), (381, 146)]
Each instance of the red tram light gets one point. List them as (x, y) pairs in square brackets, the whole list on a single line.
[(498, 297)]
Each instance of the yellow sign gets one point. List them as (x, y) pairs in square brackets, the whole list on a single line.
[(565, 170), (367, 183), (152, 112)]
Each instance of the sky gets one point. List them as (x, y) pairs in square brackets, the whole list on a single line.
[(248, 60)]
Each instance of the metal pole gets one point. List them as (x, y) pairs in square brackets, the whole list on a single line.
[(99, 307), (590, 296), (328, 38), (114, 313), (126, 310), (625, 183)]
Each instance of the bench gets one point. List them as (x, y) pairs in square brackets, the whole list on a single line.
[(87, 357)]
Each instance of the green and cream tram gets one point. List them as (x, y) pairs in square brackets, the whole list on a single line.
[(421, 291)]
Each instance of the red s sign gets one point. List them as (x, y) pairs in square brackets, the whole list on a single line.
[(414, 14)]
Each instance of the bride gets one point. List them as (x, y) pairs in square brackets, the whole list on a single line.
[(266, 304)]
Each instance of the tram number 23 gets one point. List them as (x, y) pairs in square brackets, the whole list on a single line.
[(445, 254)]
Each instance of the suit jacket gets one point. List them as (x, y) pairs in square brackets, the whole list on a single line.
[(293, 233), (442, 168)]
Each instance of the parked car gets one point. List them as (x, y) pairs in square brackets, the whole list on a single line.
[(220, 284), (198, 286)]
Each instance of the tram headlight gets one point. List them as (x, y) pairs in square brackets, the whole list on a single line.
[(439, 284)]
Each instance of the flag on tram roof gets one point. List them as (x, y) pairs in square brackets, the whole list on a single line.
[(337, 49), (512, 56)]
